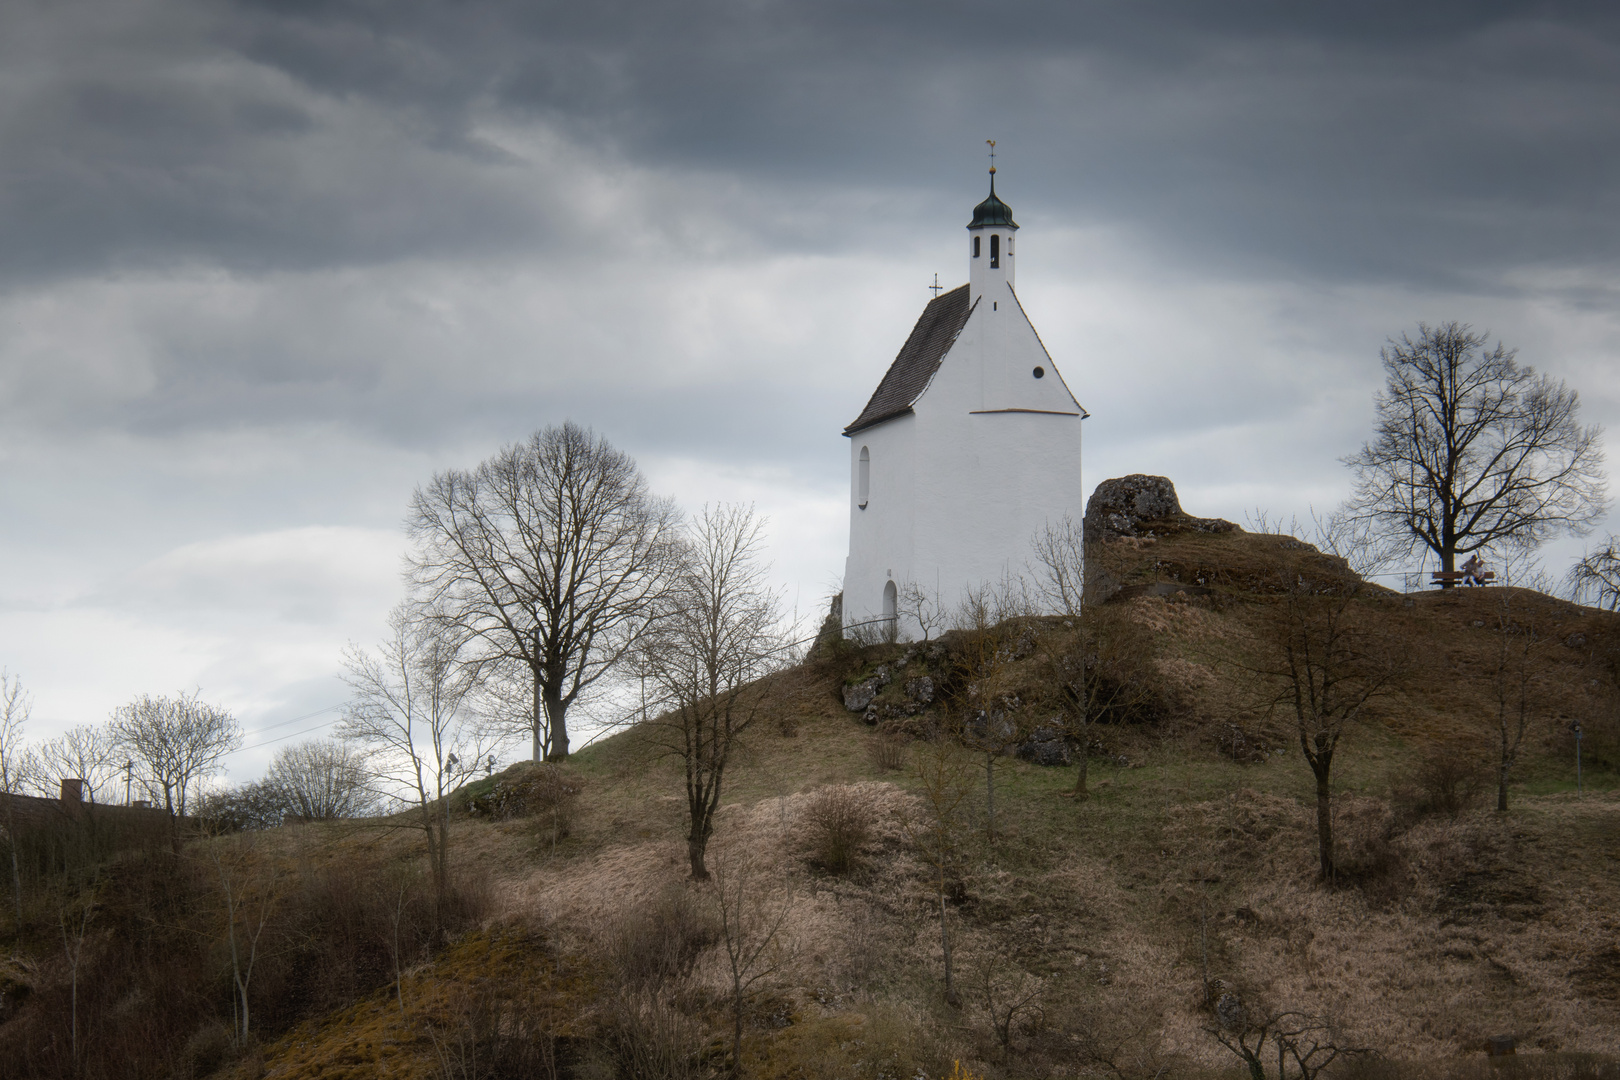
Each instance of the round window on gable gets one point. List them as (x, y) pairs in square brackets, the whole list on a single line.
[(1039, 373)]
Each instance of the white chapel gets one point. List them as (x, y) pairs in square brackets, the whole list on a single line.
[(969, 446)]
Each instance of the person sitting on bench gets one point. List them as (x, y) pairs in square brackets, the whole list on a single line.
[(1471, 571)]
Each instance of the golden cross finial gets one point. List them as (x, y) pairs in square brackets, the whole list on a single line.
[(992, 143)]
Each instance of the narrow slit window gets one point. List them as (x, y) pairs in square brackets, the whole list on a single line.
[(863, 478), (975, 247), (891, 603), (995, 252)]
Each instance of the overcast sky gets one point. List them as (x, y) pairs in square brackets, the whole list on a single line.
[(265, 267)]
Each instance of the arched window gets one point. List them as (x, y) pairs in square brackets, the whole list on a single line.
[(863, 478), (975, 247), (891, 602), (995, 252)]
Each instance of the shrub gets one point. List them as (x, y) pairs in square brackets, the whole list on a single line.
[(887, 751), (657, 943), (545, 790), (838, 823), (1448, 779)]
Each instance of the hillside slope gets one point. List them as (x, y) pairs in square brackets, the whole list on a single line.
[(1088, 936)]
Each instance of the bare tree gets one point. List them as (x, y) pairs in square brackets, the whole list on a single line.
[(937, 833), (1595, 579), (1061, 571), (750, 927), (406, 711), (1516, 671), (248, 887), (88, 752), (720, 634), (1473, 451), (549, 554), (1357, 540), (14, 709), (924, 608), (1326, 662), (989, 716), (175, 743), (1101, 668), (322, 780), (1311, 1041)]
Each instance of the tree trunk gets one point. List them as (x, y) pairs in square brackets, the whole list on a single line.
[(1324, 824), (16, 874), (1084, 728), (990, 795), (736, 1027), (555, 716), (538, 713), (1501, 782), (695, 845), (945, 944)]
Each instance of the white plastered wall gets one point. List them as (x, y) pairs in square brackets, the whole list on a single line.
[(988, 456)]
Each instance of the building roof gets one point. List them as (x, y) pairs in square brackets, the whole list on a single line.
[(919, 358), (992, 211)]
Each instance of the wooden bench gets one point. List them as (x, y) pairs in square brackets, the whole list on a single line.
[(1444, 578)]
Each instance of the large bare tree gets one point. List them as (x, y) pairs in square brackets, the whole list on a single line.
[(88, 752), (406, 710), (719, 635), (1474, 451), (550, 554), (175, 742), (322, 780)]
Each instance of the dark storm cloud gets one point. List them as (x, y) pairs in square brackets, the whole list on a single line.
[(1440, 143)]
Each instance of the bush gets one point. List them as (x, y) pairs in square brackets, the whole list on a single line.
[(1448, 779), (838, 823), (657, 943), (887, 751), (545, 790)]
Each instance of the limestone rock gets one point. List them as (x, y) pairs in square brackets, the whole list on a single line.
[(1141, 505), (858, 697), (1046, 745)]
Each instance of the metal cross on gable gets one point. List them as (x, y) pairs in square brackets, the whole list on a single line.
[(936, 286)]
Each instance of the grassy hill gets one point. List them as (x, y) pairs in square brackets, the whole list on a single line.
[(1089, 937)]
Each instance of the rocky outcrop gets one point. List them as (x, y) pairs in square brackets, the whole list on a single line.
[(1140, 505)]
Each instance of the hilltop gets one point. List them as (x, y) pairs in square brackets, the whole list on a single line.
[(1089, 936)]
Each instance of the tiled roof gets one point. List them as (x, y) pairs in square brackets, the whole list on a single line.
[(919, 358)]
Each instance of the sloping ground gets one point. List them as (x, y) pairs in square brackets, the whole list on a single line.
[(1112, 919)]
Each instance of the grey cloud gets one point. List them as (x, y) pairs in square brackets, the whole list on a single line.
[(1437, 142)]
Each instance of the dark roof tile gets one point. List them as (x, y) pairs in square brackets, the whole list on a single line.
[(919, 358)]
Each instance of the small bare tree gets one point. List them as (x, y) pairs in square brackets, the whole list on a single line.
[(1312, 1042), (751, 921), (14, 709), (248, 886), (719, 635), (989, 716), (937, 833), (549, 555), (923, 607), (175, 742), (1595, 579), (323, 780), (88, 752), (406, 712), (1326, 661), (1101, 667), (1473, 451), (1060, 570), (1516, 670)]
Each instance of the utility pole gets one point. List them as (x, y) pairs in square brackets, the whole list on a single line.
[(129, 776)]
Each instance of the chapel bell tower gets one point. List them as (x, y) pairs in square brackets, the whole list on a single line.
[(990, 243)]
